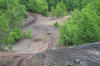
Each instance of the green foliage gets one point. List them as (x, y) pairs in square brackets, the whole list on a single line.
[(59, 11), (96, 5), (28, 34), (70, 4), (56, 24), (24, 2), (38, 6), (15, 35), (10, 47), (81, 28), (13, 8)]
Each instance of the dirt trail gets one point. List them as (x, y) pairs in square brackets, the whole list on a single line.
[(40, 27)]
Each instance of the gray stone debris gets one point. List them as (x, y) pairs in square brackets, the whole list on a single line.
[(76, 56)]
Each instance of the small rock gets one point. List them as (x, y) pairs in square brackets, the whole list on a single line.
[(77, 61), (49, 32)]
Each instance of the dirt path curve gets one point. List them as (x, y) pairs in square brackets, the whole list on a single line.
[(40, 41)]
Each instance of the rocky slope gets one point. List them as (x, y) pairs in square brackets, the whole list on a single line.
[(84, 55)]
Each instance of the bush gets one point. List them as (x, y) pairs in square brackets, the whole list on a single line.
[(10, 47), (15, 35), (12, 37), (38, 6), (19, 32), (59, 11), (28, 34), (56, 24), (96, 5), (81, 28)]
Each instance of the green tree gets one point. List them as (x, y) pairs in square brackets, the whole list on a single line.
[(81, 28), (59, 11), (38, 6), (29, 34)]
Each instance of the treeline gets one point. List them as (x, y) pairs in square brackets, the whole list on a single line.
[(37, 6), (83, 27), (70, 4), (43, 6)]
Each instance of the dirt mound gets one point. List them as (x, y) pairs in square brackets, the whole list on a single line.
[(84, 55)]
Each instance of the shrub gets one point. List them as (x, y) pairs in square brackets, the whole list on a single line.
[(4, 27), (59, 11), (81, 28), (10, 47), (96, 5), (19, 32), (28, 34), (56, 24), (12, 37), (15, 35)]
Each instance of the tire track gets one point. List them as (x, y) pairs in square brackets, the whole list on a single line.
[(31, 22), (51, 40)]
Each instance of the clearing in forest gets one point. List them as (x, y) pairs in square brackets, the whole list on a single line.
[(40, 27)]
